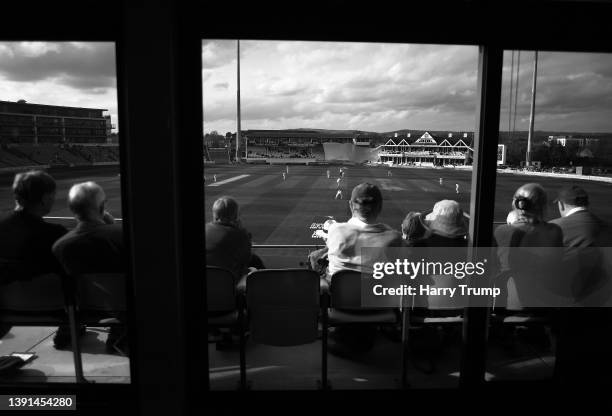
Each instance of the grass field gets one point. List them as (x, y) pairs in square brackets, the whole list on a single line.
[(283, 212)]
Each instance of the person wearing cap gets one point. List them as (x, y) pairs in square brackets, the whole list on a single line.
[(581, 228), (346, 239)]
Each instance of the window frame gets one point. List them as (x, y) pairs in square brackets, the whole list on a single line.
[(176, 170)]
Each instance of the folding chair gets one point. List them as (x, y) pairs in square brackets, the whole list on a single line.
[(283, 307), (346, 310), (42, 301), (226, 308)]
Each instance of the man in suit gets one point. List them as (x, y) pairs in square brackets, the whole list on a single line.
[(25, 246), (581, 228), (95, 245), (584, 339)]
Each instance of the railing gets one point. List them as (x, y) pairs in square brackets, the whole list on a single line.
[(315, 246), (255, 246)]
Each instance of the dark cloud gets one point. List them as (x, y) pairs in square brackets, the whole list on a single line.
[(217, 53), (574, 91), (88, 68), (377, 84)]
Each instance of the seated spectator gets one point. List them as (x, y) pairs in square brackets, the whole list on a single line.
[(345, 239), (413, 228), (228, 243), (447, 224), (447, 227), (25, 246), (584, 339), (581, 228), (530, 201), (95, 245), (344, 243)]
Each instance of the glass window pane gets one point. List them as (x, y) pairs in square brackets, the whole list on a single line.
[(566, 126), (60, 224), (316, 120)]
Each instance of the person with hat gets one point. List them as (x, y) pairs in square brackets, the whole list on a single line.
[(581, 228), (447, 225)]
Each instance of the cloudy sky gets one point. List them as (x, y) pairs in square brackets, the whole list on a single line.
[(60, 73), (383, 87), (376, 87)]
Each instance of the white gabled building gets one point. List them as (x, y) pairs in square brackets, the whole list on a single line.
[(427, 150)]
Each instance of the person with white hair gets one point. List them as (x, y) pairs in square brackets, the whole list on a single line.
[(95, 245)]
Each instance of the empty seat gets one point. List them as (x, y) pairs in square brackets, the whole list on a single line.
[(284, 307), (346, 309)]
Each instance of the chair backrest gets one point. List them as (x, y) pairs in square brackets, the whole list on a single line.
[(345, 290), (220, 289), (283, 306), (101, 292), (42, 293)]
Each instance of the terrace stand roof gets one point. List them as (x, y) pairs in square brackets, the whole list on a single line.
[(53, 106)]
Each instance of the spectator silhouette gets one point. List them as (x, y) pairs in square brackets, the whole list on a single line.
[(25, 246), (95, 245)]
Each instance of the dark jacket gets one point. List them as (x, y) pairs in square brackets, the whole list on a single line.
[(526, 235), (92, 248), (25, 246), (580, 229), (530, 258), (228, 246)]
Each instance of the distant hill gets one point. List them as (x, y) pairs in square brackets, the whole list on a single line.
[(504, 135)]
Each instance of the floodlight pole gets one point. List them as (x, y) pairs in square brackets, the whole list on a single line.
[(238, 102), (532, 114)]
